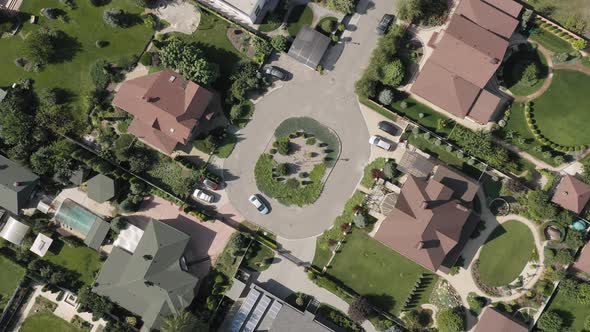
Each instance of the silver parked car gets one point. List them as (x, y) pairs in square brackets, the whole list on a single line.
[(258, 204), (381, 142), (202, 195)]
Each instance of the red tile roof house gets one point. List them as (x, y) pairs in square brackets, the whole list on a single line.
[(432, 219), (582, 264), (571, 194), (491, 320), (466, 56), (167, 109)]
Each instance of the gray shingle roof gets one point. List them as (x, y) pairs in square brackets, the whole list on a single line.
[(16, 185), (309, 47), (152, 287), (101, 188), (97, 234)]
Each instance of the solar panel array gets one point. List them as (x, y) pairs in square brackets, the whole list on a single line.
[(244, 311), (257, 314), (274, 310)]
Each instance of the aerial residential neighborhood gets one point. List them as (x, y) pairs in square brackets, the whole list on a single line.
[(293, 165)]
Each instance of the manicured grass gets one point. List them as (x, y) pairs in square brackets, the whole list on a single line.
[(80, 259), (386, 113), (586, 61), (368, 180), (10, 276), (381, 274), (505, 253), (226, 147), (281, 190), (47, 322), (573, 313), (299, 16), (430, 119), (515, 66), (560, 11), (562, 111), (85, 26), (259, 257), (551, 42)]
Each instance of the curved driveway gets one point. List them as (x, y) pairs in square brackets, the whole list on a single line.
[(331, 100)]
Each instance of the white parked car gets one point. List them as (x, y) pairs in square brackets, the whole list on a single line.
[(380, 142), (258, 204), (201, 195)]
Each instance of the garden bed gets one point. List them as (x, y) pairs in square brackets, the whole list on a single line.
[(514, 68)]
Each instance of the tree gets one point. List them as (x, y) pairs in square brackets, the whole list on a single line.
[(538, 205), (115, 18), (366, 86), (284, 147), (412, 320), (476, 303), (282, 169), (576, 23), (190, 61), (450, 320), (574, 239), (530, 75), (236, 112), (262, 48), (580, 44), (359, 220), (50, 13), (389, 170), (41, 162), (409, 10), (550, 321), (184, 321), (245, 78), (583, 295), (99, 73), (344, 6), (57, 278), (99, 306), (279, 42), (393, 73), (359, 309), (385, 97), (139, 162), (123, 146), (41, 46)]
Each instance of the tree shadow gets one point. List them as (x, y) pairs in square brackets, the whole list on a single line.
[(383, 301), (68, 47)]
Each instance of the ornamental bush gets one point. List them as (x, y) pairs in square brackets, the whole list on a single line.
[(386, 97), (279, 43), (393, 73), (580, 44)]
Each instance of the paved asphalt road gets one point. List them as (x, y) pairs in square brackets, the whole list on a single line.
[(330, 99)]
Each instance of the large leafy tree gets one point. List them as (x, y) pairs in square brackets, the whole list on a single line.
[(190, 61), (550, 321), (183, 321), (40, 47), (246, 78), (393, 73)]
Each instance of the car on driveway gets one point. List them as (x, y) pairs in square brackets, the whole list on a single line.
[(209, 184), (381, 142), (258, 204), (384, 24), (203, 196), (389, 128), (275, 72)]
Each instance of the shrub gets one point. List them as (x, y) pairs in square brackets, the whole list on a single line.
[(284, 147), (282, 169), (236, 112), (344, 6), (366, 86), (530, 75), (279, 43), (146, 59), (114, 17), (550, 321), (386, 97), (310, 141), (476, 303), (101, 43), (450, 320), (327, 25), (580, 44), (20, 62), (403, 104), (99, 73), (393, 73), (359, 220), (50, 13), (359, 310)]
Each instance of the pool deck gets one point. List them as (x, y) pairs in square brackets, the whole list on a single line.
[(80, 197)]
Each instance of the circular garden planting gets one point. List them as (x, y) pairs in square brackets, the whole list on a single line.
[(505, 253), (295, 166), (562, 112), (525, 71)]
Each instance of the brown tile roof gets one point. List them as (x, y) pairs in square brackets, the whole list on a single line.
[(572, 194), (445, 89), (488, 17), (485, 106), (463, 187), (510, 7), (582, 264), (426, 223), (153, 137), (491, 320), (167, 105)]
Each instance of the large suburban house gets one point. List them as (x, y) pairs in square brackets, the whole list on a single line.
[(466, 55), (149, 278), (432, 218), (245, 11), (572, 194), (17, 185), (491, 320), (167, 108)]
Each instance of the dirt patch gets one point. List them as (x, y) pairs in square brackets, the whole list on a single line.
[(240, 40)]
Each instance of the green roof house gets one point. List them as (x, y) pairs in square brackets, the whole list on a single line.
[(153, 281), (101, 188), (17, 185)]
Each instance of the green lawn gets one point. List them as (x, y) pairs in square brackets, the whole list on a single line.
[(560, 11), (515, 66), (586, 61), (573, 313), (430, 117), (562, 111), (505, 253), (171, 175), (259, 257), (299, 16), (517, 124), (80, 259), (551, 42), (85, 26), (48, 323), (373, 270), (10, 276)]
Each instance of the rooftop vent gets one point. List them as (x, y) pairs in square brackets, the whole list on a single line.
[(17, 184), (172, 79), (424, 205), (495, 61), (420, 245), (171, 130)]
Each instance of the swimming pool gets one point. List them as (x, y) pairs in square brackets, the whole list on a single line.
[(76, 216)]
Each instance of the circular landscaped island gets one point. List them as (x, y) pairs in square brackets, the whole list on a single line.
[(295, 166), (505, 254), (525, 71), (562, 112)]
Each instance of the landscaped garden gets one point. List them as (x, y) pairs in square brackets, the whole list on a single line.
[(385, 277), (505, 253), (570, 303), (300, 16), (10, 276), (561, 113), (294, 168), (572, 14), (258, 257), (80, 259), (48, 322), (525, 71), (550, 41)]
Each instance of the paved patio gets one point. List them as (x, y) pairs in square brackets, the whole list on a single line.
[(183, 17)]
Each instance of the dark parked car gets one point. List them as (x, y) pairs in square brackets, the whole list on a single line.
[(275, 72), (384, 24), (389, 128)]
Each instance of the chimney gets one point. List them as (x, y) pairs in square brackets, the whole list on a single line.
[(494, 61), (459, 206), (17, 184), (424, 205), (420, 245), (566, 193), (172, 79)]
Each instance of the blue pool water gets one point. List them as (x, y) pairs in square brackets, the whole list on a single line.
[(76, 216)]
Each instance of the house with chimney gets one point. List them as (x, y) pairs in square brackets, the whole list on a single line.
[(167, 109), (466, 55), (432, 218), (17, 185)]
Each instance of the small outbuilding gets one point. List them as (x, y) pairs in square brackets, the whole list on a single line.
[(309, 47), (101, 188), (41, 244), (491, 320), (572, 194), (14, 231), (582, 264)]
